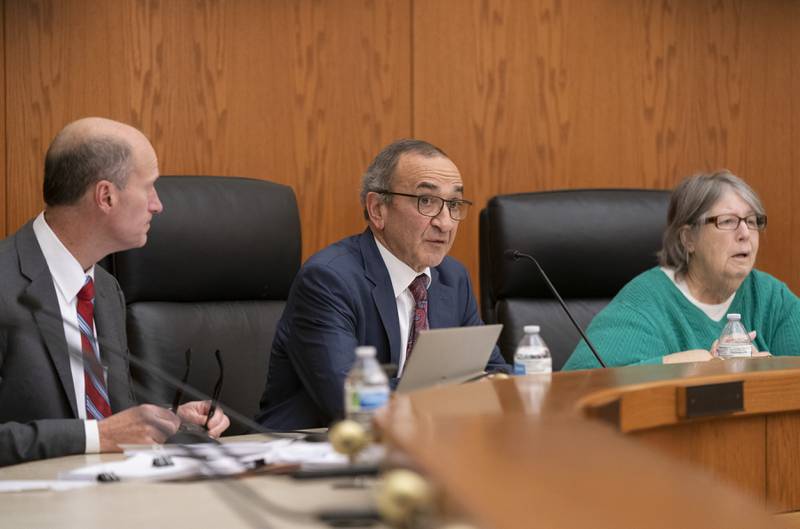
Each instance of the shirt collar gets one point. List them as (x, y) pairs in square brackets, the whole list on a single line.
[(400, 273), (67, 273)]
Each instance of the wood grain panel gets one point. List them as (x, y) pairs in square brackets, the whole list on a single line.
[(783, 461), (299, 92), (733, 449), (2, 118), (65, 61), (547, 94)]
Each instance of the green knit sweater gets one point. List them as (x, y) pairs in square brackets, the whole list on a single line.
[(651, 318)]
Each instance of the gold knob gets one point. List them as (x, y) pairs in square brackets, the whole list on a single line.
[(499, 376), (404, 497), (349, 438)]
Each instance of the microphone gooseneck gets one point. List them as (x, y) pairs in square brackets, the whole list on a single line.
[(515, 255)]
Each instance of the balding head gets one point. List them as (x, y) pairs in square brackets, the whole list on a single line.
[(85, 152)]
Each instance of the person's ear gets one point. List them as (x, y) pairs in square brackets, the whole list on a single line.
[(376, 209), (105, 195), (687, 239)]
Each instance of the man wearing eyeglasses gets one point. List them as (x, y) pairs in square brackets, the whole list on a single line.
[(64, 379), (379, 288)]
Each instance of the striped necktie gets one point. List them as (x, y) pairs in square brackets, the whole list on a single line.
[(420, 314), (97, 403)]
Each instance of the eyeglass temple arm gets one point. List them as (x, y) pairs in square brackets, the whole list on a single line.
[(176, 402), (217, 388)]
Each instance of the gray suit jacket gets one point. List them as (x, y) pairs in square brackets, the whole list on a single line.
[(38, 412)]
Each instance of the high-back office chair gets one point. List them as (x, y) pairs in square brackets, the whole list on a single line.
[(590, 243), (214, 274)]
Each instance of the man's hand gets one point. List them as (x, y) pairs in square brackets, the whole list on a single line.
[(144, 424), (197, 411)]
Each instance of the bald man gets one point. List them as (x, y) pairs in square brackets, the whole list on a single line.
[(64, 374)]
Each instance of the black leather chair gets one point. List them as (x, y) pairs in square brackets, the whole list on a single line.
[(590, 243), (214, 274)]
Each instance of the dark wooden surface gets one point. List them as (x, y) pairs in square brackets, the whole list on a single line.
[(532, 441)]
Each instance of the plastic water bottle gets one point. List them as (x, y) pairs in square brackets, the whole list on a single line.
[(366, 387), (734, 342), (532, 354)]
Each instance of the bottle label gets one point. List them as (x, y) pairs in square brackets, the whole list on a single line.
[(367, 398), (528, 366), (734, 350)]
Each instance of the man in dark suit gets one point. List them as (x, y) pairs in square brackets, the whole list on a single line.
[(64, 380), (366, 289)]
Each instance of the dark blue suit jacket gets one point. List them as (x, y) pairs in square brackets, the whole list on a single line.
[(341, 298)]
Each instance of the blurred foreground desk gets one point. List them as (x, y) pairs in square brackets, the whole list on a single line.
[(695, 445), (220, 504)]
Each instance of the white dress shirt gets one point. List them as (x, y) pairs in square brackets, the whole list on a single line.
[(402, 275), (716, 311), (69, 278)]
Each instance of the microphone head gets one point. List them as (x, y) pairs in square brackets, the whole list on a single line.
[(511, 254)]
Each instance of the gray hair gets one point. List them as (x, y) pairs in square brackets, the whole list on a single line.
[(378, 176), (689, 206), (69, 170)]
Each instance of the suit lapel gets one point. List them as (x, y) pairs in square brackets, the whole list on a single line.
[(45, 308), (382, 292), (441, 300)]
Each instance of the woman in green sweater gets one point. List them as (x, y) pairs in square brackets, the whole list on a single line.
[(675, 312)]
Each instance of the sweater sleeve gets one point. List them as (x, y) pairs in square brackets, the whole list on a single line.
[(622, 336), (786, 337)]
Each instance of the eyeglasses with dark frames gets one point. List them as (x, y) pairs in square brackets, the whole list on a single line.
[(176, 401), (730, 222), (432, 205)]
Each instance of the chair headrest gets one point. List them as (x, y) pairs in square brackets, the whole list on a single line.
[(218, 238), (590, 242)]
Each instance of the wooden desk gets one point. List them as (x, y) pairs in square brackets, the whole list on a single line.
[(594, 449), (610, 448), (224, 504)]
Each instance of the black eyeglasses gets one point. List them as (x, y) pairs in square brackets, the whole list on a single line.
[(730, 222), (176, 401), (431, 205)]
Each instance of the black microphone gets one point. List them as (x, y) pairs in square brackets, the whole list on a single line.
[(514, 255)]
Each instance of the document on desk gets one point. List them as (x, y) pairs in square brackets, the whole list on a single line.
[(173, 462), (156, 466)]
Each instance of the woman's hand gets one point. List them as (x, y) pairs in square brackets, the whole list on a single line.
[(692, 355), (701, 355)]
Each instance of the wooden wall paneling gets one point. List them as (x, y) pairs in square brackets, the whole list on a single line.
[(64, 61), (303, 93), (537, 95), (2, 119), (792, 106), (742, 99)]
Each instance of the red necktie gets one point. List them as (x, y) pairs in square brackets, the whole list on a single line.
[(97, 403), (420, 320)]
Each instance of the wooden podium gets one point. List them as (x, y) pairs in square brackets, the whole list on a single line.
[(695, 445)]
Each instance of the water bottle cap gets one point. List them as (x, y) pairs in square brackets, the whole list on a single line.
[(530, 329), (734, 317), (365, 351)]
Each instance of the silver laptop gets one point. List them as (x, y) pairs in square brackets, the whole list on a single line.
[(450, 355)]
